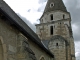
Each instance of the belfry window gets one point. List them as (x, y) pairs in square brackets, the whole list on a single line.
[(60, 22), (51, 16), (51, 30), (63, 16), (56, 44)]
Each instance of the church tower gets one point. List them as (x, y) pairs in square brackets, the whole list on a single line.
[(55, 30)]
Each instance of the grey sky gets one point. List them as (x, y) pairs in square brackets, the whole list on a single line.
[(73, 6), (27, 22)]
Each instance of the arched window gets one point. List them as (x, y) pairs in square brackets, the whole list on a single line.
[(63, 16), (56, 44), (51, 30), (51, 16), (60, 22), (42, 58)]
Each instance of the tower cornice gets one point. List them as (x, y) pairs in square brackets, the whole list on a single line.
[(68, 19)]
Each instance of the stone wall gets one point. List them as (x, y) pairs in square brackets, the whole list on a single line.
[(31, 49), (9, 40), (57, 46), (60, 25), (59, 28), (15, 46)]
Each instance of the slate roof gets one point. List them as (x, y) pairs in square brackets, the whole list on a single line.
[(58, 5), (21, 25), (46, 42)]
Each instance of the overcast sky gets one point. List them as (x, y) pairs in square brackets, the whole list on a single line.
[(31, 10)]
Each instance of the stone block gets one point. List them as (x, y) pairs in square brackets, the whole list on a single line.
[(12, 48)]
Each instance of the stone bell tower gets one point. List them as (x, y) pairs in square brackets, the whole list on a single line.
[(55, 29)]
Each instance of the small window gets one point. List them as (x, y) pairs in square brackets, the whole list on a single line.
[(63, 16), (51, 16), (51, 30), (60, 22), (52, 4), (56, 44)]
